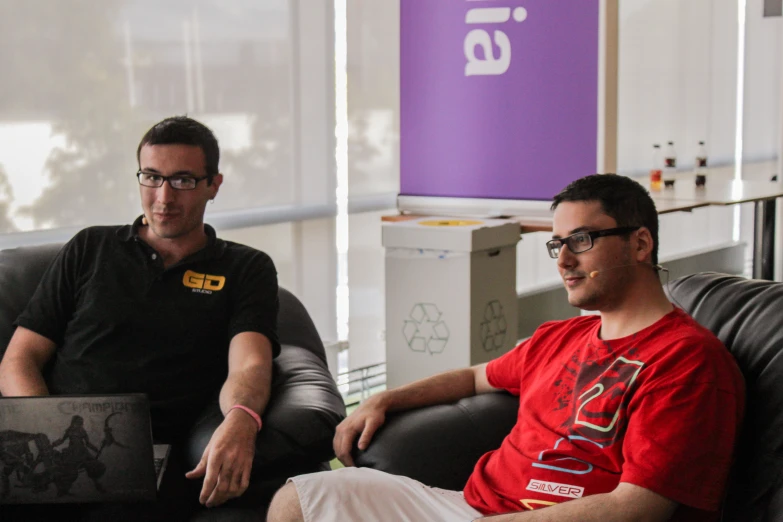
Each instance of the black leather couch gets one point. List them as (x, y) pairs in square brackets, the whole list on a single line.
[(440, 445), (299, 421)]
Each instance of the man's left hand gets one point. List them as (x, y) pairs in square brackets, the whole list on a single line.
[(227, 459)]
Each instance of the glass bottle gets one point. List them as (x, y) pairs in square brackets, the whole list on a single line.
[(701, 165), (670, 165), (655, 170)]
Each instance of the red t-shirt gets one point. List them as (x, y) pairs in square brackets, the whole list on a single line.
[(660, 409)]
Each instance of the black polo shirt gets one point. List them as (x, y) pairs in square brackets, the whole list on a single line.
[(122, 323)]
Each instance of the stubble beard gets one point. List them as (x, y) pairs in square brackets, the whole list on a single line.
[(165, 232), (588, 302)]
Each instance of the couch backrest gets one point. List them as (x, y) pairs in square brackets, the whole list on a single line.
[(746, 316), (21, 270)]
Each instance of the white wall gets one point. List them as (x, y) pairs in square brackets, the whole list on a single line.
[(761, 133), (677, 80)]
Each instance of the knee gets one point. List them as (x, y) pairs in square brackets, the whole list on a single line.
[(285, 506)]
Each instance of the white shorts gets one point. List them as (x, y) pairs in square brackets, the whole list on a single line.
[(365, 494)]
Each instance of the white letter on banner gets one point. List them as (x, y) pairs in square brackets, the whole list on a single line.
[(490, 64), (488, 15)]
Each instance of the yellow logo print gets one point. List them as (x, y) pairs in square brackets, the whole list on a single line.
[(198, 281), (533, 504)]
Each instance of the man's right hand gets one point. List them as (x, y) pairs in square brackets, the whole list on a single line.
[(363, 422)]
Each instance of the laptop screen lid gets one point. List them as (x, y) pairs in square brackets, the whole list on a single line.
[(91, 448)]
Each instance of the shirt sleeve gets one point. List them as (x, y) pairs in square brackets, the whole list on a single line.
[(256, 305), (52, 304), (680, 441), (505, 371)]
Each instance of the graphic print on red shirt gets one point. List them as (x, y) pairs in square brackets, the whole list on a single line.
[(599, 394)]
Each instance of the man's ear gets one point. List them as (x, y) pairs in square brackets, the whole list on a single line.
[(643, 245), (217, 180)]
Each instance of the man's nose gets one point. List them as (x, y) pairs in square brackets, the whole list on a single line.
[(166, 193), (566, 258)]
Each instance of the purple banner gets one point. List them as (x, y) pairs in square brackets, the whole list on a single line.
[(498, 98)]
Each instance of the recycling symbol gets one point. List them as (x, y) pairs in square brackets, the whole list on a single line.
[(493, 326), (425, 331)]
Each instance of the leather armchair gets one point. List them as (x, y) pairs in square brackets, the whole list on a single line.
[(299, 421), (440, 445)]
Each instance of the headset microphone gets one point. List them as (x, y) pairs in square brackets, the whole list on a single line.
[(595, 273)]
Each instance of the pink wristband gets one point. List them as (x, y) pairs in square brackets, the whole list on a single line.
[(249, 412)]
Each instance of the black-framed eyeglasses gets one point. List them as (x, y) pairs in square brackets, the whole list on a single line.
[(583, 241), (151, 179)]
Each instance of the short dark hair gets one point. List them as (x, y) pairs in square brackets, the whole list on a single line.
[(621, 198), (182, 130)]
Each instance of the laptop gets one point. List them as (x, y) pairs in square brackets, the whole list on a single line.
[(89, 448)]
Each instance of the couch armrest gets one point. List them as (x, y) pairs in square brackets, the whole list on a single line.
[(299, 421), (440, 445)]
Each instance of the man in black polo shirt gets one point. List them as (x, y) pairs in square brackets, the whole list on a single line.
[(162, 307)]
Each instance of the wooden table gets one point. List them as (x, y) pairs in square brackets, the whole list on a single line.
[(763, 194), (544, 224), (718, 192)]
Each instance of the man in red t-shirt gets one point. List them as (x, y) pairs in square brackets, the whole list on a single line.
[(630, 415)]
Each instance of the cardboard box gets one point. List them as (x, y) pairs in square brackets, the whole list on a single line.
[(451, 297)]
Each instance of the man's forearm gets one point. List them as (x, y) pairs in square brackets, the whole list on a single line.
[(443, 388), (21, 378), (249, 387)]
